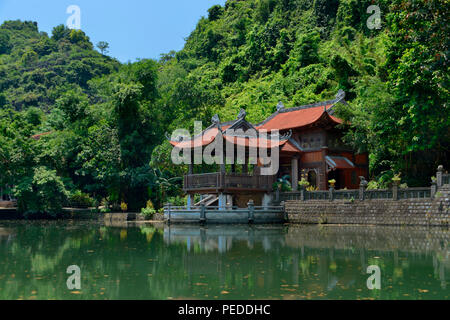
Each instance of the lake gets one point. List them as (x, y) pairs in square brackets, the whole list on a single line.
[(156, 261)]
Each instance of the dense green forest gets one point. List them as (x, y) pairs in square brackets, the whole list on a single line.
[(104, 122)]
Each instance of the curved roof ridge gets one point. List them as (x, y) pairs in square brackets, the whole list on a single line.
[(306, 106)]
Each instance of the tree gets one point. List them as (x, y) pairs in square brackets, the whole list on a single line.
[(5, 45), (103, 46), (42, 193)]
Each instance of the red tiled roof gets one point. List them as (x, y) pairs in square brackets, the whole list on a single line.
[(296, 118), (38, 136), (202, 140), (255, 142), (289, 147)]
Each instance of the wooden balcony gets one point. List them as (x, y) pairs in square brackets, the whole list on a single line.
[(219, 182)]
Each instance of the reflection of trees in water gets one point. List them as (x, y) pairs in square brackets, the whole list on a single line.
[(226, 262)]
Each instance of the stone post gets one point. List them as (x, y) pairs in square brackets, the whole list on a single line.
[(283, 207), (331, 192), (168, 211), (222, 201), (433, 188), (189, 201), (395, 185), (302, 193), (362, 187), (202, 213), (439, 173), (267, 200), (251, 211)]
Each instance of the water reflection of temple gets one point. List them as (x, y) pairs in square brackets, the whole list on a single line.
[(216, 238), (338, 254)]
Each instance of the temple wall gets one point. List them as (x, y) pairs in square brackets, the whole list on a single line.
[(427, 212)]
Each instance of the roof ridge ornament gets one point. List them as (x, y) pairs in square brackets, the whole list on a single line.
[(340, 95), (280, 106), (242, 114), (215, 119), (286, 135), (179, 138)]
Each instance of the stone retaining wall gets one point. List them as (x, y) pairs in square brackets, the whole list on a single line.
[(432, 212)]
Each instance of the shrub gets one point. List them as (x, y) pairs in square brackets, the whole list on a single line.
[(148, 212), (43, 193), (177, 201), (372, 185), (105, 210), (283, 184), (79, 199), (123, 206), (303, 183)]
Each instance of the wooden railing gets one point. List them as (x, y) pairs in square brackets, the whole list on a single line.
[(218, 180)]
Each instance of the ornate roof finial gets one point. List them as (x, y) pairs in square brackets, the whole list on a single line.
[(242, 114), (215, 119), (340, 94), (280, 106)]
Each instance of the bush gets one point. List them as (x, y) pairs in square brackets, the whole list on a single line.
[(303, 183), (43, 193), (105, 210), (177, 201), (283, 184), (372, 185), (149, 210), (79, 199)]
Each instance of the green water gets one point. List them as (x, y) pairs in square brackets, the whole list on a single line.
[(221, 262)]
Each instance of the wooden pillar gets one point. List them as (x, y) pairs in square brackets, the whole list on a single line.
[(251, 211), (245, 165), (294, 173), (322, 172), (191, 164)]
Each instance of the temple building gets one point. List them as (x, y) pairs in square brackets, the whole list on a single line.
[(306, 140)]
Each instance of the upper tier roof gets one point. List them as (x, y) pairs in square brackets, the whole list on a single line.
[(294, 118)]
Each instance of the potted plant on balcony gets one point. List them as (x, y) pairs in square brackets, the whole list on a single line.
[(283, 184), (303, 184), (396, 179), (332, 182)]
